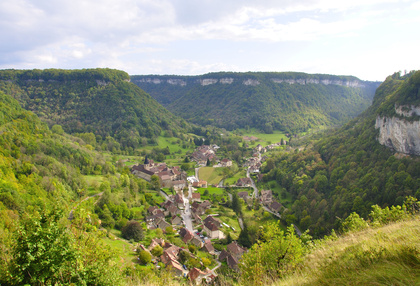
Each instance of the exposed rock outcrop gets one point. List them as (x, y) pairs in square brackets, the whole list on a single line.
[(399, 134)]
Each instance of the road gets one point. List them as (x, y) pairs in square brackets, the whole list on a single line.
[(248, 175), (196, 173), (186, 214), (273, 213)]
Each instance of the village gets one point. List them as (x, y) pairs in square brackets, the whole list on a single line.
[(186, 214)]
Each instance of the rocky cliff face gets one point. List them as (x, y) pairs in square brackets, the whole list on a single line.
[(253, 82), (399, 134)]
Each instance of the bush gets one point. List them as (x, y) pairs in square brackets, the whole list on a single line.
[(145, 257)]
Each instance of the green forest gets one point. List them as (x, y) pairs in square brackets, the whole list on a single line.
[(268, 105), (98, 101), (346, 170)]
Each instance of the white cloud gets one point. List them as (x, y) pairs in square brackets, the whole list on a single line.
[(126, 34)]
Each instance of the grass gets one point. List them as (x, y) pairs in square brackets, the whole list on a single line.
[(210, 174), (234, 179), (389, 255), (212, 190), (125, 256), (263, 138)]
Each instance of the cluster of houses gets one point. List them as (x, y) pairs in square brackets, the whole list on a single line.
[(204, 153), (171, 258), (168, 176)]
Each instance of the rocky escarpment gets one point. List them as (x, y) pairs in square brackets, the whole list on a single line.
[(399, 133), (248, 81)]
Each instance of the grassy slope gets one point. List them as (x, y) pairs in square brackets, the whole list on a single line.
[(210, 174), (389, 255)]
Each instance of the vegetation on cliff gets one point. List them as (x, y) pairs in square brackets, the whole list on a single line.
[(261, 100)]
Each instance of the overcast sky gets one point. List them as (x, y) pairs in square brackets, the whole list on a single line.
[(370, 39)]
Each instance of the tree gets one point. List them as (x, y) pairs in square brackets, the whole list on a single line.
[(236, 204), (145, 257), (43, 250), (244, 238), (206, 262), (157, 250), (133, 230), (275, 255), (57, 129), (192, 248), (155, 182)]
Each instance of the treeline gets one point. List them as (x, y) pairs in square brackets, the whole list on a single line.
[(345, 171), (107, 75), (99, 101)]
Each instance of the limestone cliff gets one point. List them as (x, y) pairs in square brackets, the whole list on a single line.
[(399, 133)]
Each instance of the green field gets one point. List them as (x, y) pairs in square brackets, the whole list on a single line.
[(210, 174), (263, 138), (212, 190), (234, 179)]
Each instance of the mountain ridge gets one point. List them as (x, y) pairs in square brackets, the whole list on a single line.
[(270, 100)]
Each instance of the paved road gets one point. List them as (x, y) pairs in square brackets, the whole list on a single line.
[(186, 214), (163, 194), (252, 184), (268, 210), (196, 173)]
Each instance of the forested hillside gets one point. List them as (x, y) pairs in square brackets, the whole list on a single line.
[(98, 101), (289, 102), (347, 170), (41, 177)]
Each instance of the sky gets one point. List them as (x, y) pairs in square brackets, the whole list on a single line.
[(369, 39)]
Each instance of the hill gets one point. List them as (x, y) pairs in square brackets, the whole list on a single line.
[(346, 170), (289, 102), (41, 178), (98, 101), (388, 255)]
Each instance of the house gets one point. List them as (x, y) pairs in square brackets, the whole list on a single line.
[(275, 206), (141, 172), (179, 200), (212, 230), (176, 220), (196, 197), (187, 237), (197, 241), (213, 220), (206, 204), (177, 267), (266, 197), (226, 163), (179, 185), (200, 184), (244, 182), (162, 224), (155, 242), (208, 247), (196, 275), (232, 254), (258, 148), (196, 217), (243, 195), (174, 210)]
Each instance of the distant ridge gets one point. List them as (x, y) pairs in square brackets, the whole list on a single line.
[(288, 101)]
